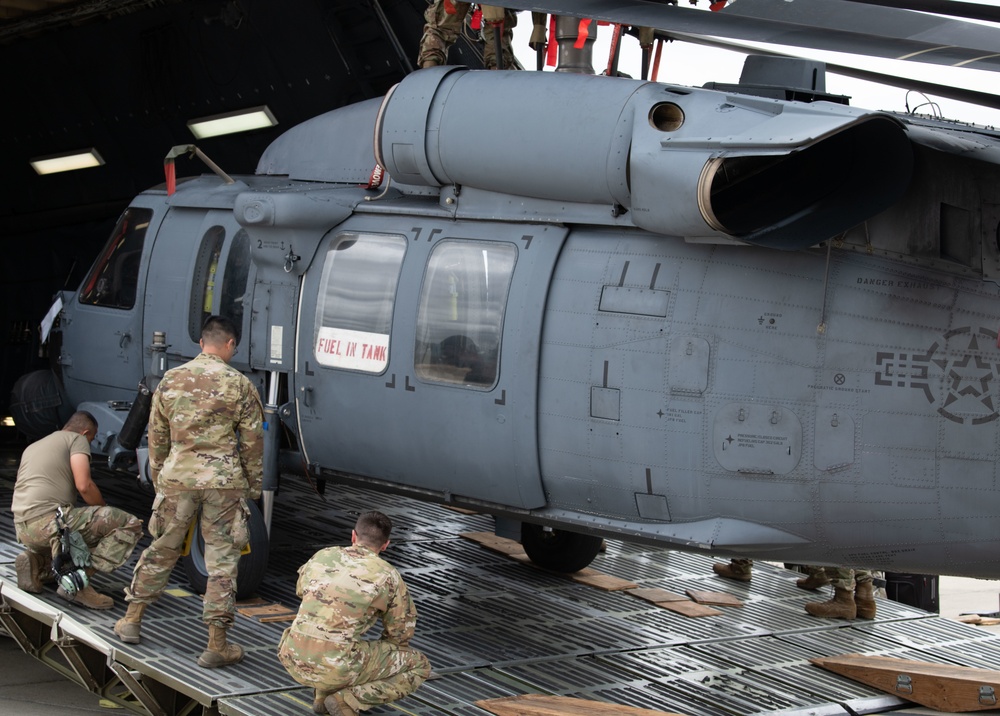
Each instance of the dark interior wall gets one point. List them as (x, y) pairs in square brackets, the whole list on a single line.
[(127, 84)]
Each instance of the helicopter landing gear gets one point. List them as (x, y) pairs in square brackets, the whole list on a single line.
[(252, 565), (558, 550)]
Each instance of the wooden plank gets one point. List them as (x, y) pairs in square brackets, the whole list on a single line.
[(542, 705), (290, 616), (690, 609), (497, 544), (657, 595), (460, 510), (606, 582), (953, 689), (267, 610), (722, 599)]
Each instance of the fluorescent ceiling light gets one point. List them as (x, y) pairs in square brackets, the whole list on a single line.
[(240, 121), (67, 161)]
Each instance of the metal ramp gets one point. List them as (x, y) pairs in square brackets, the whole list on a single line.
[(491, 627)]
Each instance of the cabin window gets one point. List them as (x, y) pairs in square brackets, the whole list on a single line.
[(114, 279), (356, 297), (203, 286), (234, 280), (460, 314)]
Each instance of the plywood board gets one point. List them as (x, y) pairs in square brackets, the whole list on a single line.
[(722, 599), (690, 609), (606, 582), (497, 544), (953, 689), (543, 705), (657, 595)]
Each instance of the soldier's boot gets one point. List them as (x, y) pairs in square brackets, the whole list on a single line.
[(729, 572), (219, 652), (319, 705), (864, 599), (840, 607), (813, 581), (337, 705), (28, 566), (129, 627), (90, 598)]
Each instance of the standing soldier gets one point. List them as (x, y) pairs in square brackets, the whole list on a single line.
[(344, 591), (205, 454), (445, 19), (52, 471)]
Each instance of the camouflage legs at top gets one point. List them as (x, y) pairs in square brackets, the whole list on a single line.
[(445, 20), (371, 673), (853, 595), (224, 527), (111, 534)]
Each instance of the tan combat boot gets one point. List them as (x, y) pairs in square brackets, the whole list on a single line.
[(218, 652), (336, 705), (319, 705), (840, 607), (814, 581), (727, 571), (88, 596), (91, 598), (29, 566), (129, 627), (864, 599)]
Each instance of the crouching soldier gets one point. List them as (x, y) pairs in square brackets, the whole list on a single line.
[(53, 471), (344, 591)]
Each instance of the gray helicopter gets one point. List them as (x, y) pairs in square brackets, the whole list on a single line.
[(746, 320)]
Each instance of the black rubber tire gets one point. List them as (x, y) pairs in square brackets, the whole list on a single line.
[(558, 550), (252, 566)]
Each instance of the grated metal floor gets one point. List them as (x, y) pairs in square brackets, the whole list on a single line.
[(494, 627)]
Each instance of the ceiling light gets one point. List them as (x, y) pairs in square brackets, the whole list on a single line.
[(240, 121), (67, 161)]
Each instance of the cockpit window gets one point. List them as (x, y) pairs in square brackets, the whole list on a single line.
[(460, 318), (114, 279), (233, 298), (356, 298), (203, 284)]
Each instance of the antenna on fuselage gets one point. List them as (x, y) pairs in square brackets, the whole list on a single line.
[(190, 150)]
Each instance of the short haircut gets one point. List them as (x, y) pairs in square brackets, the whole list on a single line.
[(373, 528), (217, 330), (81, 420)]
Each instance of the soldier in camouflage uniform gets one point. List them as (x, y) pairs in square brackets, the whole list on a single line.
[(205, 453), (445, 19), (344, 591), (52, 471), (853, 595)]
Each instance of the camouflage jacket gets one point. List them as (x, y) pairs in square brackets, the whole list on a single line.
[(205, 428), (344, 591)]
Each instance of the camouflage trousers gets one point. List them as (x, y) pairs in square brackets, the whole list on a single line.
[(110, 532), (371, 673), (224, 525), (846, 578), (442, 30)]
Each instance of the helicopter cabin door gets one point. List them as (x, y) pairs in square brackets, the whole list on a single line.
[(418, 355)]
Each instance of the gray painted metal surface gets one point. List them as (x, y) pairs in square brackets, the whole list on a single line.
[(495, 627)]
